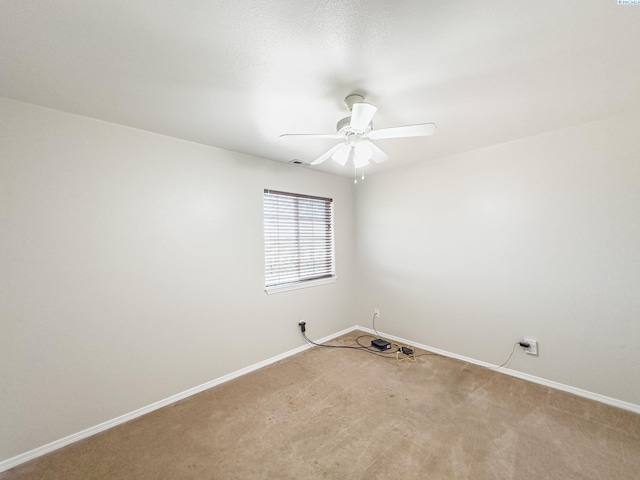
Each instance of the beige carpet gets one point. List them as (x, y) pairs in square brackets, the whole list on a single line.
[(344, 414)]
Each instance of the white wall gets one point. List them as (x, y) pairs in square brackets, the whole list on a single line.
[(538, 237), (133, 269)]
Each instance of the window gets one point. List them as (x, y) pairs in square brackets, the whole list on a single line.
[(298, 241)]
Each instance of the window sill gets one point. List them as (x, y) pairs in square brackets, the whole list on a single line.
[(297, 286)]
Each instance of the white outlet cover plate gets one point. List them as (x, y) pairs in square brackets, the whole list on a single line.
[(533, 346)]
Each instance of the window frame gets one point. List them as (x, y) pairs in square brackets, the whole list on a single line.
[(285, 215)]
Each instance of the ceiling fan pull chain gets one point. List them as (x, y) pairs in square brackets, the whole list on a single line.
[(355, 173)]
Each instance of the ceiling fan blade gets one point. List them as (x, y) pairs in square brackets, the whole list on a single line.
[(420, 130), (342, 154), (326, 155), (312, 135), (378, 156), (361, 116)]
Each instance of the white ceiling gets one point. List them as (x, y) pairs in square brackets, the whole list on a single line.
[(237, 74)]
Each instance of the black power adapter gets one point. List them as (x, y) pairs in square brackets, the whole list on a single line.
[(380, 344)]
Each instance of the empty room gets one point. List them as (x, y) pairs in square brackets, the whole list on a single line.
[(319, 240)]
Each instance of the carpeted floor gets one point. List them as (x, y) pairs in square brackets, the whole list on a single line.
[(344, 414)]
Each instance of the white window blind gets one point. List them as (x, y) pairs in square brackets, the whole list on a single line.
[(298, 239)]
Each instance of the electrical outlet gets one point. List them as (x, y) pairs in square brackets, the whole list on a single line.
[(533, 346), (376, 311)]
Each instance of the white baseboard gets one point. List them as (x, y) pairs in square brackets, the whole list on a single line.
[(514, 373), (50, 447), (55, 445)]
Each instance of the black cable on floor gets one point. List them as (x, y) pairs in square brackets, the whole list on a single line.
[(360, 347)]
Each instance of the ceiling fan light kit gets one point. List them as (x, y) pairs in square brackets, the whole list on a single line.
[(356, 132)]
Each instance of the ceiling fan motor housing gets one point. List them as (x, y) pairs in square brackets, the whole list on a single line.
[(343, 127)]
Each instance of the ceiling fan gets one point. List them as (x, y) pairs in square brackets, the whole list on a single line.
[(357, 133)]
